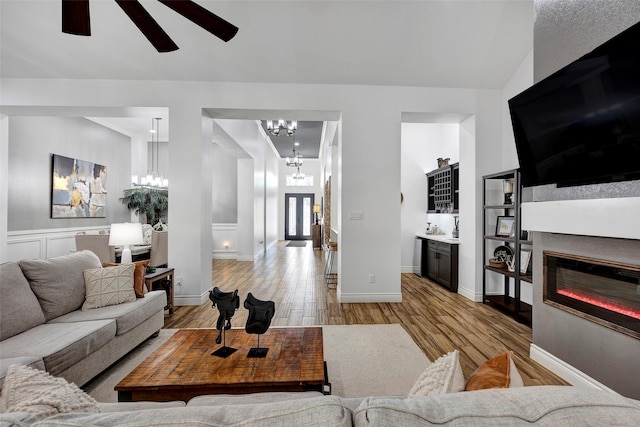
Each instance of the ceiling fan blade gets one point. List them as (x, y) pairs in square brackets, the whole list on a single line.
[(202, 17), (75, 17), (149, 27)]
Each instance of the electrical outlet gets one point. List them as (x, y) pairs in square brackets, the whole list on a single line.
[(372, 278), (179, 281)]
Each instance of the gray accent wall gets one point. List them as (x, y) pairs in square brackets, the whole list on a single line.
[(564, 30), (608, 356), (33, 140)]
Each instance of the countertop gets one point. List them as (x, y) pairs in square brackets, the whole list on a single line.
[(440, 238)]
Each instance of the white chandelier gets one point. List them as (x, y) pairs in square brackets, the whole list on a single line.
[(153, 179), (294, 161), (298, 174), (282, 126)]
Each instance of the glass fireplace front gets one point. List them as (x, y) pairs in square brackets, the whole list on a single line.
[(604, 292)]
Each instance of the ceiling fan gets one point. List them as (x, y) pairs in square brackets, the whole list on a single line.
[(76, 20)]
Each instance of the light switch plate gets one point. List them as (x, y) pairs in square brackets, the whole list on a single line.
[(356, 215)]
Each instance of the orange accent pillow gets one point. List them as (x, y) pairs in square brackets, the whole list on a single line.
[(494, 373), (138, 276)]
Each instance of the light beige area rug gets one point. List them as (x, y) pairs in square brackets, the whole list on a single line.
[(371, 360), (362, 360)]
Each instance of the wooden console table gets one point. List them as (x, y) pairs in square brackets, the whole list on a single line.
[(162, 278), (184, 366)]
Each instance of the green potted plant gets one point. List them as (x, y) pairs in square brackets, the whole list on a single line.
[(500, 259), (150, 202)]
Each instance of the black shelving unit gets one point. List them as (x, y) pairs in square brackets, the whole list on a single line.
[(494, 205)]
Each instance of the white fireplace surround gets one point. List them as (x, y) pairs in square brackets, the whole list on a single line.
[(616, 217)]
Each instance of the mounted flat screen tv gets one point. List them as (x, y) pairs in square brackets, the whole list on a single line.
[(581, 125)]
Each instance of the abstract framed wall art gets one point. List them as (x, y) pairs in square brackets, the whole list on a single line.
[(78, 188)]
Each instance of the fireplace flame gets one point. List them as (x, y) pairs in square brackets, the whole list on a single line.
[(599, 303)]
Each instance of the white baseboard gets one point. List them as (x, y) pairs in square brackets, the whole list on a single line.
[(353, 298), (190, 299), (224, 254), (470, 294), (567, 372), (272, 244), (406, 269)]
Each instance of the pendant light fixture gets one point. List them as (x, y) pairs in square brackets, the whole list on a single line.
[(282, 126), (296, 160), (154, 178)]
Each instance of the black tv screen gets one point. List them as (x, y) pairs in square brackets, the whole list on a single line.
[(581, 125)]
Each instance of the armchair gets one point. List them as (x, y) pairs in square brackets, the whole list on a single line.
[(159, 249), (98, 244)]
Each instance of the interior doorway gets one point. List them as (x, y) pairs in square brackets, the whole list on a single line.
[(298, 215)]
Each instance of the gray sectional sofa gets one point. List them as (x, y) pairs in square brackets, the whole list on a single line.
[(42, 324), (539, 405)]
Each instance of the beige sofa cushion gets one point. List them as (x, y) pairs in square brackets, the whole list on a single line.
[(316, 411), (59, 282), (522, 406), (108, 286), (127, 315), (60, 345), (19, 307), (250, 399)]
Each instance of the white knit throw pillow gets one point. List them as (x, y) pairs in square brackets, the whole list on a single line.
[(441, 377), (37, 392), (108, 286)]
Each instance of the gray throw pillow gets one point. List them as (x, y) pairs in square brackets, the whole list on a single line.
[(19, 307), (59, 282)]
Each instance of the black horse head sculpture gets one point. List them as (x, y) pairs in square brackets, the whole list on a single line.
[(228, 303)]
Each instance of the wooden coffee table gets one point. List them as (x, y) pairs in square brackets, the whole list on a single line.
[(184, 367)]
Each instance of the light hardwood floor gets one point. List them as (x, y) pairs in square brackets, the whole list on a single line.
[(438, 321)]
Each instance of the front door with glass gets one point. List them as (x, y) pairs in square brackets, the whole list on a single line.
[(298, 216)]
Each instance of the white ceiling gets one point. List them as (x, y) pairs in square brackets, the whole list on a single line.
[(433, 43)]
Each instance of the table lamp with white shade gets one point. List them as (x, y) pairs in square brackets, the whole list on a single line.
[(126, 234)]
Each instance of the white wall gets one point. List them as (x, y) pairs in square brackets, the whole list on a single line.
[(367, 164), (521, 80), (4, 189), (422, 144), (264, 194), (225, 188), (246, 234), (271, 192)]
